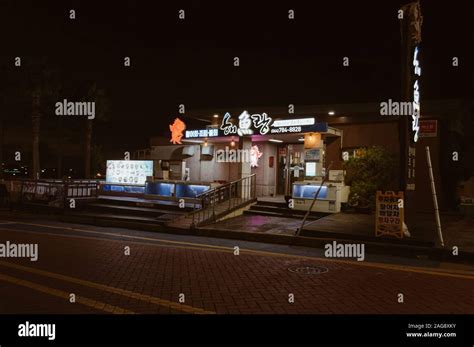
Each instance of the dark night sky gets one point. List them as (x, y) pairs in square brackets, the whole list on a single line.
[(282, 61)]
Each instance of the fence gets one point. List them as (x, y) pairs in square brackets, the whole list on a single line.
[(51, 192), (219, 201)]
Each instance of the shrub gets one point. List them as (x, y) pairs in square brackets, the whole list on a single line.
[(373, 170)]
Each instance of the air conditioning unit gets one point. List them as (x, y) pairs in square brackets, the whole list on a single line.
[(207, 151), (188, 151)]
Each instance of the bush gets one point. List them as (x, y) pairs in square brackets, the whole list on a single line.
[(373, 170)]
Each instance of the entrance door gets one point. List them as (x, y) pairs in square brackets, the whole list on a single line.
[(290, 167)]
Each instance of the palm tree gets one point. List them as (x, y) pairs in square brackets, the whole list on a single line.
[(42, 87), (102, 112)]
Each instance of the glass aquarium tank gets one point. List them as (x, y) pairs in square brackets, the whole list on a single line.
[(160, 188), (184, 190), (308, 191), (123, 188)]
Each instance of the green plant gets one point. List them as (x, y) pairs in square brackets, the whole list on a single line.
[(373, 170)]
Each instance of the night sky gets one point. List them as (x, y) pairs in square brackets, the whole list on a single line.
[(282, 61)]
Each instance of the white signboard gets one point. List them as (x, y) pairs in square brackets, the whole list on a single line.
[(133, 172), (293, 122), (201, 133), (310, 169)]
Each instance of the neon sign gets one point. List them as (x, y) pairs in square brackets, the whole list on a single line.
[(201, 133), (264, 124), (177, 129), (416, 96), (255, 155), (260, 122)]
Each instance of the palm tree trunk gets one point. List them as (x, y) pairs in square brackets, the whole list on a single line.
[(88, 148), (59, 173), (35, 119)]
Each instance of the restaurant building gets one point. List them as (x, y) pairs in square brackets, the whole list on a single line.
[(289, 152)]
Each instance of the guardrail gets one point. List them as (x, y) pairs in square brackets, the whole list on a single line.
[(221, 200)]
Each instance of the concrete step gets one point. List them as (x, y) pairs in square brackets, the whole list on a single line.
[(280, 204), (117, 217), (140, 202), (130, 210), (277, 213), (272, 210)]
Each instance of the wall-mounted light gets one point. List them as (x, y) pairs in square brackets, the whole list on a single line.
[(312, 140), (232, 142), (275, 140), (205, 143), (331, 113), (216, 116)]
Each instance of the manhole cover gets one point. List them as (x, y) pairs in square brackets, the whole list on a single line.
[(308, 270)]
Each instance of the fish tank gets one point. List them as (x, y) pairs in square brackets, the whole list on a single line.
[(123, 188), (184, 190), (160, 188), (308, 191), (177, 189)]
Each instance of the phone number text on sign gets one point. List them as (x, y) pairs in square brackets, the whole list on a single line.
[(284, 130)]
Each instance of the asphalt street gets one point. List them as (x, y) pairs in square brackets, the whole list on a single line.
[(88, 269)]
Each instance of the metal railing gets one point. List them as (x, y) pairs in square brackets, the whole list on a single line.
[(219, 201), (52, 192)]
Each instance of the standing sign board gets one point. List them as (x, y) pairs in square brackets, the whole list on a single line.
[(389, 214)]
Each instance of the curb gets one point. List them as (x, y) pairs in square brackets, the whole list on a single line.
[(379, 248), (408, 251)]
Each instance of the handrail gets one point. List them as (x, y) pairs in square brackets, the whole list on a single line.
[(326, 175), (237, 193), (223, 186)]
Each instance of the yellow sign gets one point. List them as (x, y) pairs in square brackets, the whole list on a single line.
[(389, 214)]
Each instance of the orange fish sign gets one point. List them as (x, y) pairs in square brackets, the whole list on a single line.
[(177, 129)]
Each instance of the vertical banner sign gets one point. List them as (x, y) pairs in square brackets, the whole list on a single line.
[(389, 214), (409, 126)]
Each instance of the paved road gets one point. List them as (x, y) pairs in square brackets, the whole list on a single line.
[(91, 263)]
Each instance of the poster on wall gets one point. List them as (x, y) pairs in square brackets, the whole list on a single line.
[(133, 172), (312, 154), (310, 169)]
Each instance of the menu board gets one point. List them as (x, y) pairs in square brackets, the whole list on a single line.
[(389, 214), (132, 172)]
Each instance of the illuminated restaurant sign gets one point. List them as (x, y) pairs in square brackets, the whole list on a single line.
[(255, 124), (201, 133), (416, 95), (177, 129), (262, 124)]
